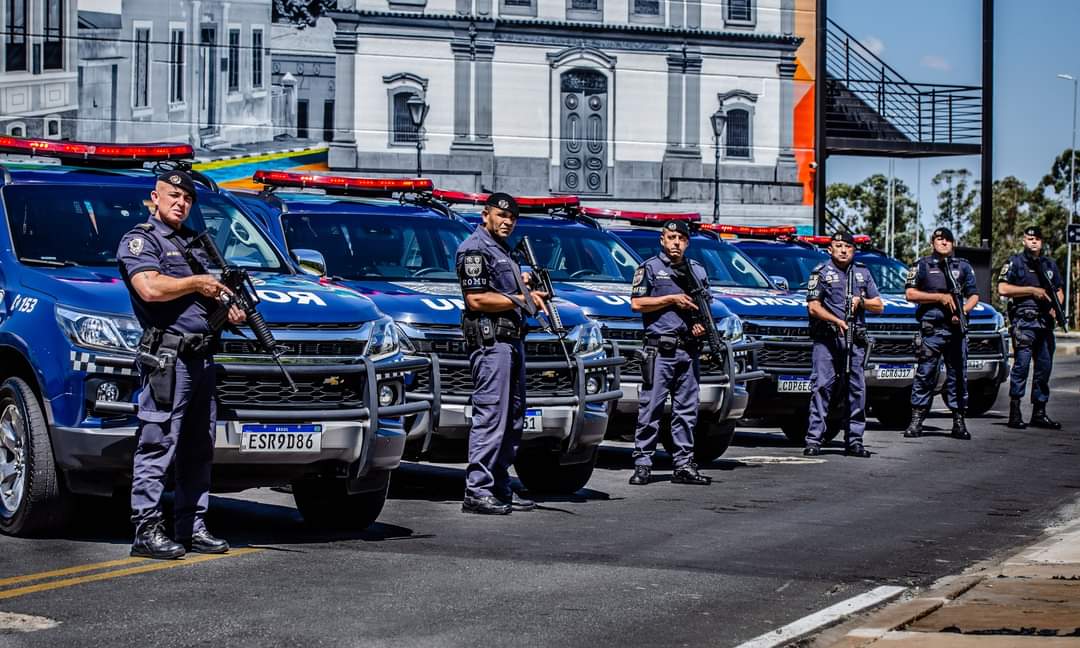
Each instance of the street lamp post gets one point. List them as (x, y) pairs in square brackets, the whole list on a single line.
[(718, 120), (1072, 199), (418, 110)]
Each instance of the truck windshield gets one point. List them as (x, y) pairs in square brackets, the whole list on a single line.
[(889, 274), (83, 224), (578, 254), (725, 264), (793, 263), (358, 246)]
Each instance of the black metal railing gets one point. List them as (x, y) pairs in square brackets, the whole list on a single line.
[(869, 99)]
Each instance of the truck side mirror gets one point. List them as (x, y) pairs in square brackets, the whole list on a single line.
[(310, 261), (780, 282)]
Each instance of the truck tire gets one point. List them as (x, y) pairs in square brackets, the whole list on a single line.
[(794, 428), (32, 498), (981, 397), (893, 413), (541, 473), (711, 440), (325, 504)]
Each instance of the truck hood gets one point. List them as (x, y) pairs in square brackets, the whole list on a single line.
[(897, 306), (292, 299), (436, 303), (612, 300), (762, 303)]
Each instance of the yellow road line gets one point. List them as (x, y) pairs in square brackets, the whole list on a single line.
[(14, 580), (130, 571)]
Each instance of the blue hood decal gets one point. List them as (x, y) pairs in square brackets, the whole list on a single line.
[(612, 299)]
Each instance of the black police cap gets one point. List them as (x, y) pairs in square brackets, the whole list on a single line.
[(845, 237), (180, 180), (1033, 230), (503, 201), (943, 232), (678, 226)]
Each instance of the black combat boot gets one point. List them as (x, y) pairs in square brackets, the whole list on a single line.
[(1039, 418), (202, 542), (1016, 419), (914, 429), (151, 542), (642, 476), (688, 474), (959, 429), (485, 506)]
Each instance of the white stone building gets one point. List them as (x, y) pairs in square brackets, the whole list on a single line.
[(38, 95), (193, 71), (608, 99)]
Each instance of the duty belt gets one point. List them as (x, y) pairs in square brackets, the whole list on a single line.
[(676, 341), (190, 345)]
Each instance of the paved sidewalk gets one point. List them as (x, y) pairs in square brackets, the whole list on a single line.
[(1068, 343), (1029, 599)]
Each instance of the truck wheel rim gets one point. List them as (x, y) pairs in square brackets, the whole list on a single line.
[(12, 460)]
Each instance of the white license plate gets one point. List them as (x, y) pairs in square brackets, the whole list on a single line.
[(281, 438), (976, 364), (534, 420), (793, 385), (896, 372)]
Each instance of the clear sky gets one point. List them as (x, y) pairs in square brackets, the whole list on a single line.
[(939, 41)]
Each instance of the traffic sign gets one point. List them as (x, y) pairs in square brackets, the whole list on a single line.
[(1074, 233)]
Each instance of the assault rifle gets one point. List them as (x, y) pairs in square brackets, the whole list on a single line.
[(244, 297), (540, 279), (703, 315), (1048, 286), (849, 318), (957, 295)]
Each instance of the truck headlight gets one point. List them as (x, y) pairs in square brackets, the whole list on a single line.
[(590, 338), (999, 323), (730, 328), (383, 341), (96, 331), (406, 344)]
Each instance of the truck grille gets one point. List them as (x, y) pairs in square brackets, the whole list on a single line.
[(985, 346), (784, 356), (314, 392), (346, 348), (457, 381), (752, 329), (893, 348)]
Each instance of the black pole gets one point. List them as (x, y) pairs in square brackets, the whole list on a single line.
[(716, 181), (419, 145), (986, 210), (821, 153)]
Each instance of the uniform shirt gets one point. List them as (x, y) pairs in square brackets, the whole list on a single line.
[(828, 285), (656, 277), (1020, 270), (156, 246), (926, 275), (484, 264)]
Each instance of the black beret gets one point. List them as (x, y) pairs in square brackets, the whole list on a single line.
[(1033, 230), (179, 179), (846, 237), (503, 201), (678, 226), (943, 232)]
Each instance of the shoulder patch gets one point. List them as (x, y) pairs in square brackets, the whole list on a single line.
[(135, 245), (912, 271), (639, 276), (474, 264), (813, 281), (1005, 270)]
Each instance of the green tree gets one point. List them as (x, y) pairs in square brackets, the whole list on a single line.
[(864, 208), (958, 200)]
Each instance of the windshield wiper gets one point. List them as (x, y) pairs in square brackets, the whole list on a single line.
[(49, 262)]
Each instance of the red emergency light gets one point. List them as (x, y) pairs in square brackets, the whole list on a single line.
[(526, 204), (750, 231), (860, 239), (658, 218), (100, 152), (342, 184)]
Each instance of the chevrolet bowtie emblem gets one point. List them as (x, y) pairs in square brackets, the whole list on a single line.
[(549, 374), (333, 381)]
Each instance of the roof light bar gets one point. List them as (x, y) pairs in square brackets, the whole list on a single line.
[(639, 217), (342, 184), (526, 204), (749, 231), (860, 239), (90, 151)]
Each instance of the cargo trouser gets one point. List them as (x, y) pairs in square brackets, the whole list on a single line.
[(498, 416), (826, 379), (1032, 340), (941, 345), (675, 373)]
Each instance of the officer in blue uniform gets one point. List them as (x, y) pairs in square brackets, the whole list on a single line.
[(826, 300), (939, 337), (1031, 323), (177, 415), (672, 346), (497, 301)]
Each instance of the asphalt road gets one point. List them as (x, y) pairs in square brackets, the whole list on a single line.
[(776, 538)]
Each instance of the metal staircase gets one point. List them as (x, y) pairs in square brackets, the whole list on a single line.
[(872, 110)]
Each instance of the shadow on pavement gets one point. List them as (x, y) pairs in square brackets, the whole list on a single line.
[(613, 458)]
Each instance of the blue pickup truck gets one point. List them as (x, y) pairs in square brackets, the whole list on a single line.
[(891, 366), (68, 383), (594, 269), (391, 241)]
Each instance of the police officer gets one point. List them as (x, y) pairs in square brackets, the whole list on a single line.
[(939, 337), (826, 300), (672, 345), (177, 414), (496, 304), (1031, 320)]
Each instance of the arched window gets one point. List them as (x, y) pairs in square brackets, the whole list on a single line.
[(401, 87), (17, 129), (404, 129), (737, 132)]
